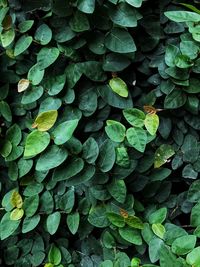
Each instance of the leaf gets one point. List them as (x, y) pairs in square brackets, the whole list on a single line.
[(90, 150), (22, 85), (46, 57), (151, 123), (16, 200), (51, 158), (184, 244), (175, 99), (79, 22), (86, 6), (134, 222), (22, 44), (194, 217), (35, 75), (45, 120), (7, 37), (16, 214), (7, 226), (106, 157), (162, 154), (26, 25), (43, 34), (119, 86), (120, 41), (97, 217), (158, 230), (30, 223), (117, 189), (115, 131), (183, 16), (31, 95), (134, 116), (193, 258), (52, 223), (155, 246), (193, 8), (158, 216), (54, 255), (135, 3), (36, 142), (5, 148), (137, 138), (116, 219), (130, 235), (73, 222), (64, 131)]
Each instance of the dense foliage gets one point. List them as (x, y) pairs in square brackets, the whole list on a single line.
[(99, 125)]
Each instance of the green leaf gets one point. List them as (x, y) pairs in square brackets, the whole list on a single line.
[(162, 154), (171, 52), (30, 223), (137, 138), (158, 230), (86, 6), (64, 131), (120, 41), (184, 244), (46, 57), (97, 217), (51, 158), (90, 150), (124, 15), (134, 116), (5, 148), (134, 222), (106, 263), (7, 37), (115, 131), (43, 34), (14, 134), (194, 86), (122, 157), (158, 216), (116, 219), (35, 75), (79, 22), (7, 226), (193, 258), (54, 255), (106, 157), (36, 142), (32, 94), (52, 223), (135, 3), (117, 189), (183, 16), (175, 99), (26, 25), (5, 111), (131, 235), (30, 205), (45, 120), (194, 218), (16, 214), (151, 123), (22, 44), (119, 86), (73, 220), (155, 246)]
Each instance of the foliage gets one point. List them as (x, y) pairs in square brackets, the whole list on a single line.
[(99, 124)]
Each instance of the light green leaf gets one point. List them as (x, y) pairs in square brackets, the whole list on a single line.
[(16, 214), (54, 255), (134, 116), (7, 37), (35, 75), (135, 3), (184, 244), (151, 123), (193, 258), (7, 226), (115, 131), (137, 138), (162, 154), (36, 142), (45, 120), (119, 86), (183, 16), (26, 25), (158, 229)]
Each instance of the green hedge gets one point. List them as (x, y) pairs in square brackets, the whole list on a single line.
[(99, 124)]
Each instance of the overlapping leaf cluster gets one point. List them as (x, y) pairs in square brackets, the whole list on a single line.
[(99, 124)]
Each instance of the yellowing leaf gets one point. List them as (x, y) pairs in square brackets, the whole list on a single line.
[(48, 265), (119, 86), (163, 153), (16, 214), (45, 120), (158, 229), (151, 123), (23, 84), (16, 200)]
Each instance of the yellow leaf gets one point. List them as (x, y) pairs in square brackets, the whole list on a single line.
[(16, 200), (48, 265), (16, 214), (23, 84), (45, 120)]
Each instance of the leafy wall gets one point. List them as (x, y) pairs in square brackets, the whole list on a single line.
[(99, 124)]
